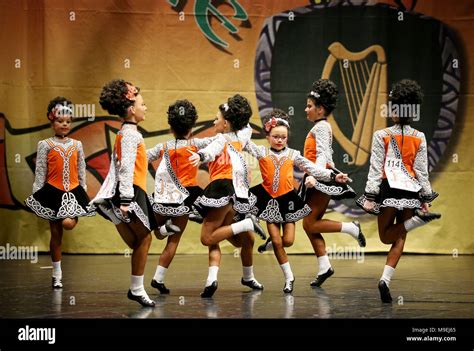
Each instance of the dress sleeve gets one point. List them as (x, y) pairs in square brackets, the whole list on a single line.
[(420, 167), (129, 144), (154, 153), (214, 149), (257, 151), (322, 174), (81, 166), (377, 159), (41, 169), (322, 134)]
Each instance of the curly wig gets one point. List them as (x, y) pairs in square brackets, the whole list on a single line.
[(182, 116), (113, 97), (324, 93), (237, 111)]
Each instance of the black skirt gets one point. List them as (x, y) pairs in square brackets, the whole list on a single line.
[(283, 209), (177, 210), (388, 197), (220, 193), (336, 190), (53, 204), (140, 208)]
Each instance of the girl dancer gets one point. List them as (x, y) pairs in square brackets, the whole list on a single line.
[(59, 190), (176, 186), (321, 101), (397, 186), (122, 197), (228, 192), (277, 202)]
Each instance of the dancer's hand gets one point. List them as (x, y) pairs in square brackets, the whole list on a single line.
[(194, 158), (124, 210), (342, 178), (425, 207), (310, 182), (369, 205)]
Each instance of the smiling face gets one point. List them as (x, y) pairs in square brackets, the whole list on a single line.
[(138, 110), (313, 112), (278, 137), (62, 125)]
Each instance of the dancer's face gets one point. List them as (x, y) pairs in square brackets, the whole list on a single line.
[(138, 109), (221, 124), (313, 112), (62, 125), (278, 137)]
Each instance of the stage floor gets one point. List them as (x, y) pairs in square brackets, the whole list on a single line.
[(95, 286)]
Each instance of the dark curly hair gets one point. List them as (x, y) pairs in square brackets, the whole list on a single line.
[(405, 92), (58, 100), (277, 113), (182, 116), (327, 91), (237, 111), (113, 100)]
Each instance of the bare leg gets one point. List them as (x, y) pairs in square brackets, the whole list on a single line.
[(56, 240), (140, 254), (318, 204), (69, 223), (274, 232)]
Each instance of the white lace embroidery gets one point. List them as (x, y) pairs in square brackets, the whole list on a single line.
[(66, 156), (333, 190), (134, 207), (420, 166), (377, 158), (131, 138), (70, 208), (277, 164), (271, 213), (171, 211), (401, 203), (257, 151), (296, 216), (36, 207), (210, 202), (322, 133), (81, 166), (41, 169), (305, 165)]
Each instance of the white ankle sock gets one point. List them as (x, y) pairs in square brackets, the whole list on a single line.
[(212, 274), (136, 284), (160, 274), (242, 226), (413, 222), (387, 274), (350, 228), (57, 272), (285, 267), (248, 273), (324, 264)]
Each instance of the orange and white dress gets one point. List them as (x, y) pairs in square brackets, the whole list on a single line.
[(125, 183), (228, 174), (59, 189), (398, 174), (277, 200), (176, 186), (318, 149)]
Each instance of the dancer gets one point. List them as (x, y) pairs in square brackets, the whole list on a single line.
[(176, 186), (59, 190), (122, 197), (321, 101), (228, 192), (277, 202), (398, 188)]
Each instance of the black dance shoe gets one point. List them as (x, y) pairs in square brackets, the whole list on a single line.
[(57, 283), (384, 292), (320, 279), (288, 288), (252, 284), (262, 248), (141, 299), (209, 290), (427, 216), (196, 217), (257, 228), (171, 228), (361, 237), (160, 286)]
